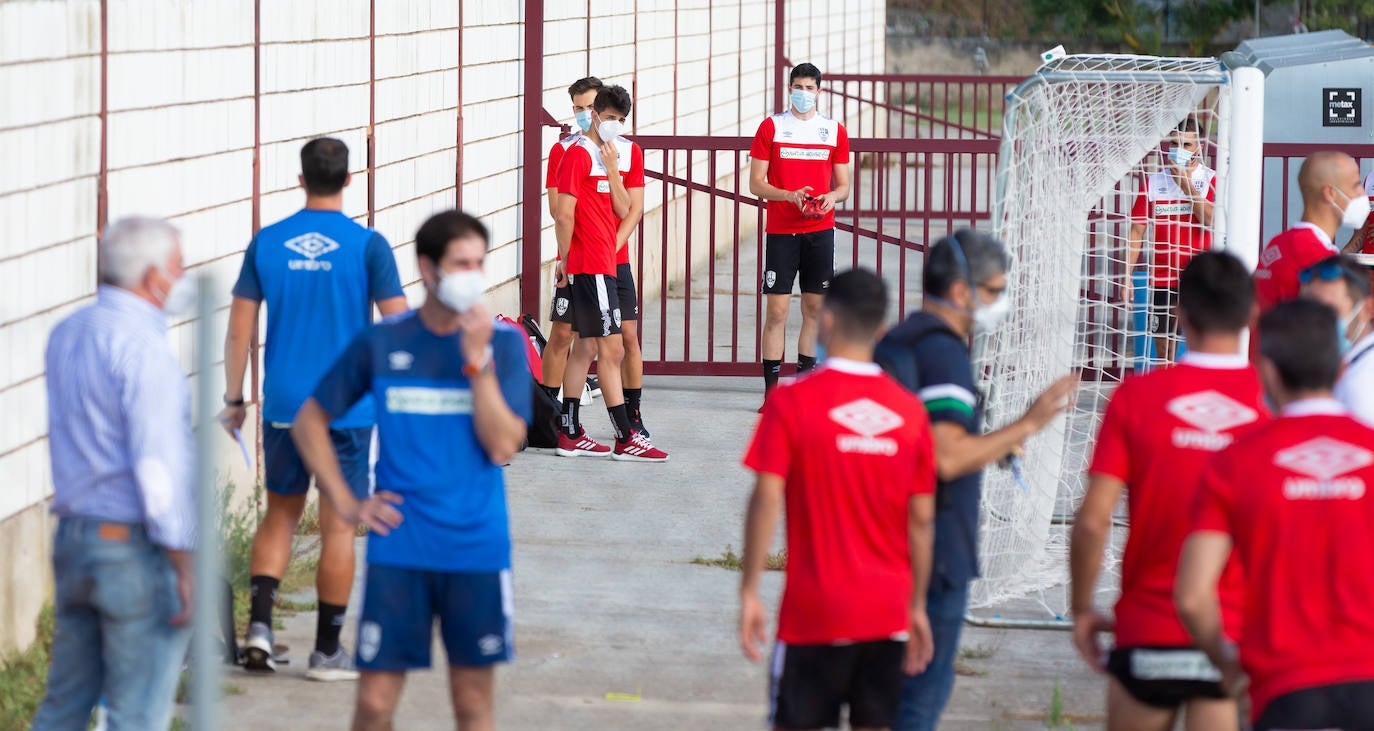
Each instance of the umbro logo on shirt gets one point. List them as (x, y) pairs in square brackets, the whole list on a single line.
[(312, 246), (1210, 413), (868, 419), (400, 360), (1323, 460)]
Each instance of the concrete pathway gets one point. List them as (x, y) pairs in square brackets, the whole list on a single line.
[(617, 629)]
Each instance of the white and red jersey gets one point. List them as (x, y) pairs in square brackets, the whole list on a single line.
[(1297, 498), (1158, 434), (800, 153), (556, 153), (582, 175), (1368, 227), (1276, 277), (853, 446), (1178, 234)]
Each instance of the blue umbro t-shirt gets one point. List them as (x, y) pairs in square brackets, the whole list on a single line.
[(454, 495), (319, 273)]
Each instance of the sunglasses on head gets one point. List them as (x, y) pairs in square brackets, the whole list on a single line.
[(1324, 272)]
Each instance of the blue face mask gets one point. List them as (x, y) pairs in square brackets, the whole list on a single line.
[(584, 119), (803, 101), (1179, 156)]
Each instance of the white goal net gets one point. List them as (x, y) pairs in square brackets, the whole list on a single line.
[(1085, 167)]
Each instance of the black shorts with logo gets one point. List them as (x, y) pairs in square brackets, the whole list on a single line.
[(810, 684), (1163, 303), (1165, 677), (560, 310), (810, 254), (1338, 706), (595, 305), (625, 290)]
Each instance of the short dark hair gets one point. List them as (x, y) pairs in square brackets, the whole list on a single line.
[(584, 85), (1299, 337), (1216, 293), (965, 255), (804, 71), (442, 229), (612, 97), (858, 299), (324, 166), (1354, 274), (1189, 124)]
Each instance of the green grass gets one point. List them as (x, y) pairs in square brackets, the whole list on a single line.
[(732, 561), (977, 652), (24, 675)]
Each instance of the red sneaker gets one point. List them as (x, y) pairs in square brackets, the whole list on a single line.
[(580, 446), (638, 448)]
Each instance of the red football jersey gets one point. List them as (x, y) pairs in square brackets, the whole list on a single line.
[(799, 153), (556, 153), (1178, 235), (1158, 434), (853, 446), (1295, 498), (582, 175), (1276, 277), (1368, 227)]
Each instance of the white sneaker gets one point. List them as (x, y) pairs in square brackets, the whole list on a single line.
[(327, 668)]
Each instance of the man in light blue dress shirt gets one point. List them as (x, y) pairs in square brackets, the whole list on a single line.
[(119, 431)]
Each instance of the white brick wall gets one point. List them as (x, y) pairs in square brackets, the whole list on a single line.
[(181, 113)]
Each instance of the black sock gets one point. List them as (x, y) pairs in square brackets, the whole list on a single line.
[(571, 421), (328, 623), (263, 590), (632, 396), (771, 370), (552, 391), (620, 419), (805, 362)]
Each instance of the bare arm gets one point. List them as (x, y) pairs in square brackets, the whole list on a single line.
[(1091, 528), (620, 197), (238, 342), (392, 306), (959, 453), (761, 520), (553, 202), (499, 430), (1135, 238), (1200, 566), (759, 186), (920, 530), (1356, 243), (841, 190), (563, 231), (630, 221)]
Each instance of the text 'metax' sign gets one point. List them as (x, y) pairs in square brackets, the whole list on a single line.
[(1341, 108)]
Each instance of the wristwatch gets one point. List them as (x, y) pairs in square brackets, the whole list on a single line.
[(472, 370), (234, 402)]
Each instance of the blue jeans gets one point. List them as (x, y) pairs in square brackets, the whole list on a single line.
[(116, 591), (924, 696)]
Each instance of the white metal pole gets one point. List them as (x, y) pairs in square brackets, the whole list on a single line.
[(206, 652), (1245, 166)]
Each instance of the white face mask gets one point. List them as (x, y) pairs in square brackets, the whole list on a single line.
[(1355, 212), (181, 298), (609, 130), (987, 318), (459, 291)]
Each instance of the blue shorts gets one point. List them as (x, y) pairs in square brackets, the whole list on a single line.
[(287, 475), (396, 628)]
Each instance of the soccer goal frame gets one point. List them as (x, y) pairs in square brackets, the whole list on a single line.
[(1104, 114)]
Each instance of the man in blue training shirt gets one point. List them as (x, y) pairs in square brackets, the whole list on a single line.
[(319, 273), (964, 291), (453, 403)]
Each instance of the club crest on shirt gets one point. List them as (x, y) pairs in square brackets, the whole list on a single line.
[(311, 246), (399, 360), (868, 419), (824, 134), (1211, 414), (1323, 461)]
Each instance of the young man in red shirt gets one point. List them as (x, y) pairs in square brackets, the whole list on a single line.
[(555, 355), (599, 176), (848, 451), (1292, 501), (1362, 241), (797, 156), (1176, 203), (1159, 431)]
